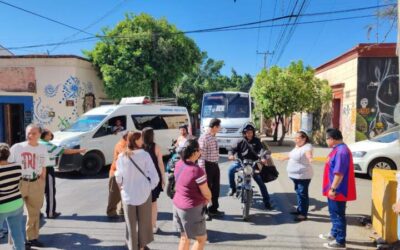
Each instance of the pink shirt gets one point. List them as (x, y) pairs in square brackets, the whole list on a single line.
[(188, 194)]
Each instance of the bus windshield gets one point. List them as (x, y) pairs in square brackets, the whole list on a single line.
[(226, 105), (86, 123)]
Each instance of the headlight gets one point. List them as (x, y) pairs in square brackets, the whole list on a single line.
[(359, 154), (71, 143), (248, 170)]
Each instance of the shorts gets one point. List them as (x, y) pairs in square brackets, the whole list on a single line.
[(190, 221), (155, 193)]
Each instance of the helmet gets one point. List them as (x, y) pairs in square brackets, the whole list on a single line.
[(248, 126)]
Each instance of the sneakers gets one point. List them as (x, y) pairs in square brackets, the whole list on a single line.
[(231, 192), (327, 236), (54, 216), (216, 213), (300, 218), (34, 243), (334, 245)]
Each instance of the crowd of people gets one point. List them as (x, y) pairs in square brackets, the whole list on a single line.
[(137, 178)]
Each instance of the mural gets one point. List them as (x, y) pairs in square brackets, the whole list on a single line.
[(378, 94), (51, 90), (349, 120), (43, 113)]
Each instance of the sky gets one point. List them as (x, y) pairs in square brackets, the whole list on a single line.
[(314, 43)]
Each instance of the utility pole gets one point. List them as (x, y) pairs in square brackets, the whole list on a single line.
[(266, 54)]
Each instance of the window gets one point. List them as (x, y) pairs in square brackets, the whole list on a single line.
[(387, 138), (158, 122), (112, 126)]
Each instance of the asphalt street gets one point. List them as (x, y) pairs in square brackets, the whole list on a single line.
[(83, 224)]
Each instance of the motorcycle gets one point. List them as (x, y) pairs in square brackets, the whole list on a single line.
[(248, 168), (174, 157)]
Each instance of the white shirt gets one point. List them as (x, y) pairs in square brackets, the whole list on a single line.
[(135, 187), (31, 158), (298, 166)]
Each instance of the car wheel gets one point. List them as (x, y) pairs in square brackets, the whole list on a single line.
[(381, 163), (92, 163)]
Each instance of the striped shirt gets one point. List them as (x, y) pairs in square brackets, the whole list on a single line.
[(54, 152), (209, 149), (10, 176)]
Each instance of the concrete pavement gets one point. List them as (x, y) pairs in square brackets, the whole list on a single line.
[(83, 224)]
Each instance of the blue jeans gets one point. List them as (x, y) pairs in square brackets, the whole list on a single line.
[(15, 227), (301, 188), (337, 212), (257, 178)]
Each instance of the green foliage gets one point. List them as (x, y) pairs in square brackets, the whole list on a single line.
[(143, 56), (283, 91), (206, 77)]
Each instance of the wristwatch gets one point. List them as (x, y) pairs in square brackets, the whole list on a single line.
[(333, 189)]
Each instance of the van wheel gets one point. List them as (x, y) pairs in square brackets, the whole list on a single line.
[(92, 163), (381, 163)]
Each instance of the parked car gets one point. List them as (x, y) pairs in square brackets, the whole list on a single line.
[(381, 152)]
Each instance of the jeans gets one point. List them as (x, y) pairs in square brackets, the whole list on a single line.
[(257, 178), (301, 188), (15, 227), (337, 212)]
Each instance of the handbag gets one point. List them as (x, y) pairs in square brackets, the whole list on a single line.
[(171, 183), (269, 173)]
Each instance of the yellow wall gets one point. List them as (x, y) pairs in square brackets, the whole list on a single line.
[(58, 80), (345, 73)]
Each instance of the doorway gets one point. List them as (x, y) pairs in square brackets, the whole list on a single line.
[(13, 123), (336, 104)]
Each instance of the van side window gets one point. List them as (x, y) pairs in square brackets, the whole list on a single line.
[(158, 122), (112, 126)]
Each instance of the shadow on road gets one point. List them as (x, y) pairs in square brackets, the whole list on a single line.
[(95, 218), (77, 176), (217, 236), (69, 241)]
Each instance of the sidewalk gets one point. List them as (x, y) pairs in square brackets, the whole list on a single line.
[(278, 152)]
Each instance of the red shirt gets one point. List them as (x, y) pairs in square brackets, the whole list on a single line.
[(188, 194), (340, 161)]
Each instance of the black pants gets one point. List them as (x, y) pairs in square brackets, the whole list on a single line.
[(213, 179), (50, 192)]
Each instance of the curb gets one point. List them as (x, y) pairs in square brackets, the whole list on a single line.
[(279, 156)]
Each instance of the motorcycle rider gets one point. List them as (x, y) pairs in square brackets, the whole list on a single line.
[(249, 147), (183, 137)]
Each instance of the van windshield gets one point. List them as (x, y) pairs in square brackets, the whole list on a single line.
[(86, 123)]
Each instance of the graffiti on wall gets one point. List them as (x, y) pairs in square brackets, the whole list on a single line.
[(51, 90), (349, 120), (43, 113), (378, 94)]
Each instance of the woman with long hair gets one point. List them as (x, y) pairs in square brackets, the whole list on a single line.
[(155, 152), (136, 176)]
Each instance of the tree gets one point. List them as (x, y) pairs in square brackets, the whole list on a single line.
[(143, 56), (279, 92)]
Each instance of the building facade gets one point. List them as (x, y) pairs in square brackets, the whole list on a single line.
[(365, 86), (50, 90)]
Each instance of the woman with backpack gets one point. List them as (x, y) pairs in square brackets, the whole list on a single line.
[(191, 197)]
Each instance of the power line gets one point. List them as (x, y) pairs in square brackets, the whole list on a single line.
[(115, 8), (44, 17), (226, 28)]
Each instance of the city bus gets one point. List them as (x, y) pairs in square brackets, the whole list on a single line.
[(233, 109)]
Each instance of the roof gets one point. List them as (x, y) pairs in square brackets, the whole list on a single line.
[(44, 57), (361, 50), (5, 52)]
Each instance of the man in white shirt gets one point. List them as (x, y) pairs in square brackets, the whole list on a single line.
[(33, 158)]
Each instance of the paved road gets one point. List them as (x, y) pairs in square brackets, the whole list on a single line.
[(83, 224)]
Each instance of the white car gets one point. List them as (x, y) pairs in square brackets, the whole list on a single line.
[(382, 152)]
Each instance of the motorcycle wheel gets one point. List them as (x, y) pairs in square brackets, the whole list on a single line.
[(247, 198)]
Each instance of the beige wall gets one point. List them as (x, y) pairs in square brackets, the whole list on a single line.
[(345, 73), (58, 81)]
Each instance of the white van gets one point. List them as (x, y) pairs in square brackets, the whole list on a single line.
[(94, 131)]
